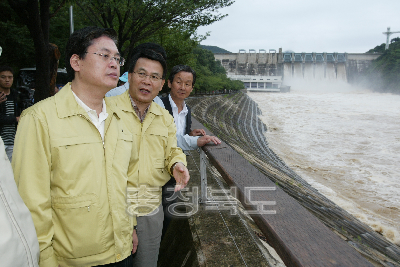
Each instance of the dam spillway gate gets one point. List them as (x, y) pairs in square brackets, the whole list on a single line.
[(270, 69)]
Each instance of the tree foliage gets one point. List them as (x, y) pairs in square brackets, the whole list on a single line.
[(378, 49), (171, 23), (384, 73), (16, 41), (36, 15), (211, 75), (138, 20), (18, 49), (215, 49)]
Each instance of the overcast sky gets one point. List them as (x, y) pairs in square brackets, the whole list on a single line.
[(352, 26)]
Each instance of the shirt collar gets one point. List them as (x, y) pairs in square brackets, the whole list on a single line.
[(140, 116), (88, 109), (174, 106)]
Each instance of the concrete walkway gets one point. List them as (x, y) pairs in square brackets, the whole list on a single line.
[(212, 236)]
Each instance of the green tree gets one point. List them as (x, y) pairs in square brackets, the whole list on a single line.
[(139, 20), (36, 15), (18, 49), (384, 73), (211, 75), (378, 49), (171, 23)]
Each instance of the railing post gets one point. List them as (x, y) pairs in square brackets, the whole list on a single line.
[(203, 176)]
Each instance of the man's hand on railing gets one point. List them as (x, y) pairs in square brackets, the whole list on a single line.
[(197, 132), (207, 139)]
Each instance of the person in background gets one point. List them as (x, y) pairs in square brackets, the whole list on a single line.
[(10, 109), (124, 77), (120, 89), (181, 81), (71, 161), (19, 245), (31, 95), (157, 152)]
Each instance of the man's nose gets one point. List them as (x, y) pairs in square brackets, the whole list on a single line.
[(147, 79), (114, 63)]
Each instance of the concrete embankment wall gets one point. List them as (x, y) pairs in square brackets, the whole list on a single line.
[(213, 237)]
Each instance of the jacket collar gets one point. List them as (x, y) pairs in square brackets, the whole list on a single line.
[(67, 106), (127, 106)]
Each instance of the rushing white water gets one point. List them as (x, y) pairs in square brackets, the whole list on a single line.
[(345, 142)]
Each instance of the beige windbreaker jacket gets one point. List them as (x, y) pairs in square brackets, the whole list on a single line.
[(73, 183), (155, 140)]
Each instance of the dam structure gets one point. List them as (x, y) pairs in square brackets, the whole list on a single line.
[(268, 70)]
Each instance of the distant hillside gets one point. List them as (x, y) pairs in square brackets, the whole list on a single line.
[(384, 73), (214, 49)]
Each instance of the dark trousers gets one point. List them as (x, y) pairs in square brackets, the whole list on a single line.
[(165, 203), (128, 262)]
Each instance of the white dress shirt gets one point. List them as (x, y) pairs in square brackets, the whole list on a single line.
[(98, 121), (185, 141), (118, 90)]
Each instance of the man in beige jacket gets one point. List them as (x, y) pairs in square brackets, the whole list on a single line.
[(71, 161)]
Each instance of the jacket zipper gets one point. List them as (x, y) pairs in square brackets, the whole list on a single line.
[(83, 116), (104, 149), (16, 226)]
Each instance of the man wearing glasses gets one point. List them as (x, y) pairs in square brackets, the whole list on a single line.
[(158, 156), (71, 161), (121, 89)]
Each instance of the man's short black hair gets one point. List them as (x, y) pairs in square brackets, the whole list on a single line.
[(152, 46), (6, 68), (179, 68), (80, 40), (150, 51)]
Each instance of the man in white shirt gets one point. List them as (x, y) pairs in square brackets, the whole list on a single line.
[(181, 81)]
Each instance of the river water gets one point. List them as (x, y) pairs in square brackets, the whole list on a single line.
[(345, 142)]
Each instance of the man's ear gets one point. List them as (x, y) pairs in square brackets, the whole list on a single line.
[(169, 84), (75, 62), (162, 84)]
